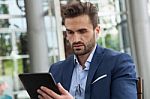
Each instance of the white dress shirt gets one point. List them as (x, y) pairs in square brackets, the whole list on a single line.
[(79, 77)]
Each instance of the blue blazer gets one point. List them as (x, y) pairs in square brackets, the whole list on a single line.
[(111, 75)]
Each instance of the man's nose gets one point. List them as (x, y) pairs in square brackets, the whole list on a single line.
[(77, 37)]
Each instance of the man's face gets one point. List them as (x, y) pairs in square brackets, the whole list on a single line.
[(81, 34)]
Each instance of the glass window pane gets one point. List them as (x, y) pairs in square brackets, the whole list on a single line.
[(18, 23), (5, 44)]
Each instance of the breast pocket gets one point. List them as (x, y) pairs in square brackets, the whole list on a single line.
[(100, 87), (99, 78)]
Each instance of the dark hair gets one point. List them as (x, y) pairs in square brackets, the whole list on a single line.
[(75, 9)]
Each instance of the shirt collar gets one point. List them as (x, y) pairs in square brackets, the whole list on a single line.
[(88, 60)]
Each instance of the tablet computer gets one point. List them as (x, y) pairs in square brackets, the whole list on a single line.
[(33, 81)]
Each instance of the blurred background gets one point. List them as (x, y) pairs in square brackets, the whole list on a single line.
[(32, 37)]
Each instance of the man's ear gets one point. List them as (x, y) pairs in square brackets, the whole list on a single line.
[(97, 31)]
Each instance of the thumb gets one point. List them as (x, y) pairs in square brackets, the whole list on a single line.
[(61, 89)]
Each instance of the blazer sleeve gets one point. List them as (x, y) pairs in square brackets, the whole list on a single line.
[(56, 70), (123, 84)]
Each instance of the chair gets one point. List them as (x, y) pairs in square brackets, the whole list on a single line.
[(140, 88)]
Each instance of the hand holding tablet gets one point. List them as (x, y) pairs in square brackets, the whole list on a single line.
[(33, 81)]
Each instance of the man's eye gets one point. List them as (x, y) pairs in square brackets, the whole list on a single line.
[(82, 31), (70, 32)]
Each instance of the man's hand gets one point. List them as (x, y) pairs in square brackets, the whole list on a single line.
[(46, 93)]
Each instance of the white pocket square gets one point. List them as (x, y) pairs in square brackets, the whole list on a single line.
[(103, 76)]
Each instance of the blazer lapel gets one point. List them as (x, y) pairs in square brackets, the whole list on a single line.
[(97, 58), (67, 72)]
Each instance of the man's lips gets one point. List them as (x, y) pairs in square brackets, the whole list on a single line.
[(77, 45)]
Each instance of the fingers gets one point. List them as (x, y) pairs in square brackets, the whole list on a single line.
[(40, 97), (61, 89), (64, 93), (47, 93), (43, 95)]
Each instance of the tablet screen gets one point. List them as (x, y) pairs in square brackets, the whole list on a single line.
[(33, 81)]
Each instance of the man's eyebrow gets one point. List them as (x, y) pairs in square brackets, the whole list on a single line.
[(82, 29), (68, 30)]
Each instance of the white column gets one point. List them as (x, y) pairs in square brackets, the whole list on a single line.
[(140, 28), (37, 36), (59, 30)]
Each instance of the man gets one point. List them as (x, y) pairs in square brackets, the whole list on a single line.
[(92, 72)]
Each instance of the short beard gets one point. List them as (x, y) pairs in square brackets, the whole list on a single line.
[(88, 47)]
